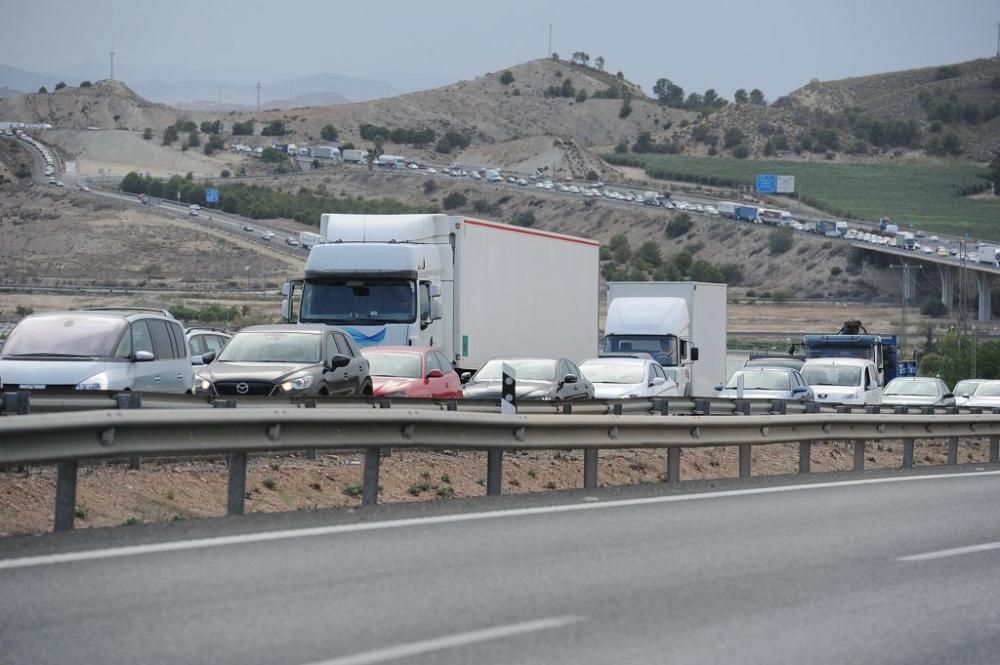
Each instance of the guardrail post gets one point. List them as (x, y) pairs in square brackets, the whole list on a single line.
[(859, 455), (65, 495), (310, 452), (907, 453), (617, 409), (494, 471), (901, 410), (702, 406), (745, 460), (805, 456), (662, 405), (843, 408), (952, 450), (369, 482), (994, 449), (673, 465), (237, 489), (130, 401), (873, 409), (590, 468), (812, 407), (778, 406), (18, 403), (741, 407)]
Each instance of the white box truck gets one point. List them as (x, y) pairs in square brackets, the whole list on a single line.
[(325, 152), (357, 156), (308, 239), (670, 320), (987, 254), (472, 288)]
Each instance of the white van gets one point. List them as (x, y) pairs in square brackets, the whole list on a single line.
[(843, 380), (194, 209)]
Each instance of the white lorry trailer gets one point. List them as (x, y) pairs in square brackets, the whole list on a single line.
[(987, 254), (681, 324), (354, 155), (308, 239), (472, 288)]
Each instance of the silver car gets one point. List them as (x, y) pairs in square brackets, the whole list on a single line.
[(986, 395), (767, 383), (624, 378), (963, 390), (98, 349), (917, 391)]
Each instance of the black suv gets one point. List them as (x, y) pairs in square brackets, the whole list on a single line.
[(290, 359)]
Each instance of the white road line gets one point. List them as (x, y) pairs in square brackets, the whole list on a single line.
[(265, 536), (957, 551), (450, 642)]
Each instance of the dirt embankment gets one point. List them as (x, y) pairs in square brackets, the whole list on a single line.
[(108, 494)]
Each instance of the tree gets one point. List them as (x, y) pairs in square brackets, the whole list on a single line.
[(733, 137), (60, 85), (649, 252), (194, 139), (678, 226), (273, 156), (85, 84), (780, 240), (567, 89), (43, 90), (214, 127), (619, 248), (626, 109), (454, 200), (225, 173), (507, 77), (669, 93), (275, 128), (757, 97), (581, 95), (951, 144), (147, 133), (694, 101), (741, 151), (599, 62), (245, 128), (526, 218), (644, 143), (580, 58), (169, 135), (740, 97), (554, 56)]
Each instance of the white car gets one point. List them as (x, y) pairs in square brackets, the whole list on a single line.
[(985, 396), (843, 380), (622, 377), (432, 170), (964, 389), (766, 383)]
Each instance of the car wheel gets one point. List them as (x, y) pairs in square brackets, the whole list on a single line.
[(323, 392), (367, 390)]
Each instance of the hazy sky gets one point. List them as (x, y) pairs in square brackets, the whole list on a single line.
[(776, 45)]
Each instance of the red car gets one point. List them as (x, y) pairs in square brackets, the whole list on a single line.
[(412, 371)]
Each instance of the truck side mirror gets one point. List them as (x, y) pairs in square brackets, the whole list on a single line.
[(286, 309), (435, 309), (435, 290), (694, 353), (286, 289)]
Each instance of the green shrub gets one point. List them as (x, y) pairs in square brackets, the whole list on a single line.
[(780, 241), (679, 225), (454, 200), (934, 308)]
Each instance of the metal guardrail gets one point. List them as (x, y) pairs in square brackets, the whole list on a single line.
[(81, 435)]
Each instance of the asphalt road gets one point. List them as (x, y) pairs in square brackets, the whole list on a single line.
[(764, 575)]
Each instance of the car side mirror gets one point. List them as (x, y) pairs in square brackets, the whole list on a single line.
[(718, 387), (949, 396), (143, 356), (694, 353), (657, 381), (206, 358), (465, 376), (435, 374), (798, 390), (339, 360), (570, 378)]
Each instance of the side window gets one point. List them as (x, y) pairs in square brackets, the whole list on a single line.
[(142, 339), (425, 300), (658, 371), (177, 340), (164, 348), (124, 348), (434, 363), (343, 346), (214, 342), (197, 345), (443, 363)]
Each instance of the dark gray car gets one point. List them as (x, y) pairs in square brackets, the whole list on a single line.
[(287, 360), (537, 378)]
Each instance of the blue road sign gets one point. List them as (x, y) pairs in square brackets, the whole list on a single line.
[(211, 195), (767, 184)]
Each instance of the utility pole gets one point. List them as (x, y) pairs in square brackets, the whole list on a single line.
[(112, 54), (258, 96), (906, 268), (549, 54), (998, 39)]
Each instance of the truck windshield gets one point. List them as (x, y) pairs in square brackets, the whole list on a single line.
[(359, 302), (663, 348)]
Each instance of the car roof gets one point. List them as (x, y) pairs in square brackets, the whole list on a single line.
[(423, 350), (313, 328), (608, 360), (915, 378), (765, 368), (109, 313), (848, 362)]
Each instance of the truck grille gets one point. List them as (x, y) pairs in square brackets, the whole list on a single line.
[(237, 388)]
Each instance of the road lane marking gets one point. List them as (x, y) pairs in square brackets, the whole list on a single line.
[(310, 532), (957, 551), (450, 642)]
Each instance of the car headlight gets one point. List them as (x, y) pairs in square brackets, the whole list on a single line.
[(300, 383), (202, 384), (97, 382)]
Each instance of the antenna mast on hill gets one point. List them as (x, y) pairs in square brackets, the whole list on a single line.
[(998, 39), (112, 54), (258, 96), (549, 54)]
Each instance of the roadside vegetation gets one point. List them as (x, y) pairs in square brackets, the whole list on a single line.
[(256, 202), (932, 197)]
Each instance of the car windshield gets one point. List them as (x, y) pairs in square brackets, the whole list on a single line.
[(966, 388), (527, 369), (988, 390), (405, 365), (273, 347), (778, 361), (65, 335), (359, 302), (614, 372), (663, 348), (831, 375), (914, 388), (759, 380)]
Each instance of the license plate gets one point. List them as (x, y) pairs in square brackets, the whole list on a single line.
[(32, 386)]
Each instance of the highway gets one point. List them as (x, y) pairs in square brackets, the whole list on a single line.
[(901, 569)]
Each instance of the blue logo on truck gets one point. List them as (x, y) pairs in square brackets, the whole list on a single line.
[(366, 340)]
